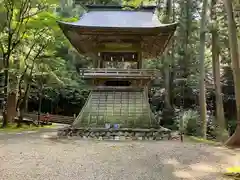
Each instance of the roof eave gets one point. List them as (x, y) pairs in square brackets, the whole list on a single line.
[(168, 30), (167, 27)]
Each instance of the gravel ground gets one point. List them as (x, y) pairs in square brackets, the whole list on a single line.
[(32, 156)]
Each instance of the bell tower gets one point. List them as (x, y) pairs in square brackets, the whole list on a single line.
[(118, 40)]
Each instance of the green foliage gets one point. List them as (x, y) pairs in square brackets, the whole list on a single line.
[(232, 124), (42, 45), (233, 172), (35, 40), (134, 3), (14, 128), (201, 140), (188, 122)]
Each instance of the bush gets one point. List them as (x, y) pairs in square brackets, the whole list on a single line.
[(232, 124), (233, 172), (211, 126), (168, 117), (188, 122)]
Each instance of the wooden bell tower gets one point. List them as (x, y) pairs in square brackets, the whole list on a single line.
[(118, 40)]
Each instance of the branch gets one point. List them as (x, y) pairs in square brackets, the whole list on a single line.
[(9, 49), (31, 70), (2, 48), (27, 66), (29, 52), (25, 7), (9, 7), (22, 99), (23, 75), (21, 10), (34, 14), (40, 50), (24, 10), (19, 40)]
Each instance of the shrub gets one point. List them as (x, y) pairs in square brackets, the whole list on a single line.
[(188, 122), (232, 124), (233, 172)]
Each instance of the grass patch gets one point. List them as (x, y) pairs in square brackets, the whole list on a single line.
[(201, 140), (233, 172), (14, 128)]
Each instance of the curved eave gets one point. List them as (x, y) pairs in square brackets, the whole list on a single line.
[(166, 28), (74, 32)]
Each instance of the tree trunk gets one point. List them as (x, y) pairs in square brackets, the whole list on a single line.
[(19, 104), (234, 140), (167, 61), (20, 113), (202, 70), (22, 102), (18, 96), (220, 120), (26, 101), (6, 81), (40, 104), (184, 33), (167, 98)]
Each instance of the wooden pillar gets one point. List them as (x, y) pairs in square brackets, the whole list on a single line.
[(140, 61), (99, 62), (95, 63)]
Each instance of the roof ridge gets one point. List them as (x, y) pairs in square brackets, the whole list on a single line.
[(120, 7)]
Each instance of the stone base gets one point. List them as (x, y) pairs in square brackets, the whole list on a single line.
[(116, 134)]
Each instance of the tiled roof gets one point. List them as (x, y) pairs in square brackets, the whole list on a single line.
[(115, 17)]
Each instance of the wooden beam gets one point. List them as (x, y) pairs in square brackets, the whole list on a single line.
[(118, 47), (119, 56), (140, 60), (120, 31), (123, 37)]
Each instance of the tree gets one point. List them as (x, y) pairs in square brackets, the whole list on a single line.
[(167, 59), (185, 58), (26, 78), (46, 76), (234, 140), (202, 69), (13, 30), (43, 67), (220, 120)]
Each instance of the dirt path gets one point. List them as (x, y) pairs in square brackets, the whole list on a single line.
[(30, 156)]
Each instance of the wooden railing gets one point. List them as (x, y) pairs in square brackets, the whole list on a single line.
[(117, 88), (119, 72), (52, 118)]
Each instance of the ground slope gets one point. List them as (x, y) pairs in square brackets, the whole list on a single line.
[(130, 109)]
